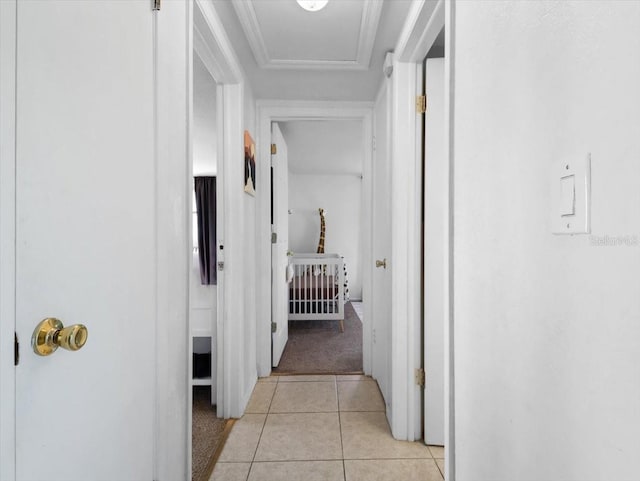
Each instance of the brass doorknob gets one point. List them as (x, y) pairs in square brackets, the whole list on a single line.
[(51, 334), (382, 263)]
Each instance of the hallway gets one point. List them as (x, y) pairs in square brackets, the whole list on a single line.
[(321, 428)]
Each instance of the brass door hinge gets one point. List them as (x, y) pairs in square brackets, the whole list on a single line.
[(274, 327), (156, 4), (420, 377), (421, 104), (274, 149)]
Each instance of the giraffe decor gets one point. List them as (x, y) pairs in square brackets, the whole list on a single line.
[(322, 231)]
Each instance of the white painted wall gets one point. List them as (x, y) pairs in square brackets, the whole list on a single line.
[(251, 316), (324, 146), (205, 132), (341, 197), (547, 330)]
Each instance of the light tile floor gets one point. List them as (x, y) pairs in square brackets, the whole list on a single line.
[(321, 428)]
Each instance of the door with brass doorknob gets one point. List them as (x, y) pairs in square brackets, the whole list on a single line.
[(94, 203), (50, 334), (382, 263)]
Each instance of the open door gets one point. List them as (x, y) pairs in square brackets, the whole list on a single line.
[(279, 244), (381, 248), (85, 240), (435, 251)]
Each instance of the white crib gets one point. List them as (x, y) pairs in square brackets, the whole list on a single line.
[(316, 291)]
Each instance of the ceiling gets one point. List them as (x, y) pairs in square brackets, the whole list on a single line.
[(330, 147), (333, 54)]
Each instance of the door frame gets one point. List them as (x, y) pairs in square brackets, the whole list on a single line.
[(279, 111), (215, 49), (424, 23)]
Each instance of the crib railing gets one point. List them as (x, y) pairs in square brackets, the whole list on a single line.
[(316, 291)]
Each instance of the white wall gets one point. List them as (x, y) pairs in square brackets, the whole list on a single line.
[(324, 146), (341, 197), (547, 328), (251, 316), (205, 135)]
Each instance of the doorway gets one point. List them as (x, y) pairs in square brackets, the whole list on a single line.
[(207, 427), (317, 201), (290, 111), (215, 126)]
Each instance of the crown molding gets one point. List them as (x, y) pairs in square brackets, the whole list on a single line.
[(368, 29), (249, 22), (366, 39)]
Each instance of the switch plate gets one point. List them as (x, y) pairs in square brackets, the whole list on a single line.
[(571, 196), (568, 195)]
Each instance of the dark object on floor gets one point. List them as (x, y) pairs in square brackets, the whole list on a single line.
[(320, 347), (202, 365), (207, 433)]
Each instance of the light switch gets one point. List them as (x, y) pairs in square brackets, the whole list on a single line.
[(571, 195), (568, 195)]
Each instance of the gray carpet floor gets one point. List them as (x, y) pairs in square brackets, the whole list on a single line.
[(207, 432), (320, 347)]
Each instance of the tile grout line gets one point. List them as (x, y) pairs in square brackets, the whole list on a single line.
[(327, 460), (344, 468), (381, 459), (261, 431), (438, 466)]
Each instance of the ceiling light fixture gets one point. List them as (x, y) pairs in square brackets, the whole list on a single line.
[(312, 5)]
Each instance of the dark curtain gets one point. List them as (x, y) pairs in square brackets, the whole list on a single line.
[(206, 206)]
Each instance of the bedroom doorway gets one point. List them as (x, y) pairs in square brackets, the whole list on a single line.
[(206, 427), (317, 249)]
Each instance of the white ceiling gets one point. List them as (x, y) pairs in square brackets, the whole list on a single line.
[(317, 147), (334, 54), (310, 39)]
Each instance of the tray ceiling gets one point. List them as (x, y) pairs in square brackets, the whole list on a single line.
[(284, 36)]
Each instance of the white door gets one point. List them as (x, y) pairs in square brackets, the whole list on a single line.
[(279, 259), (381, 246), (435, 252), (85, 238)]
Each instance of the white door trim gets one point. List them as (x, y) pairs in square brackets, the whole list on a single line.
[(405, 253), (424, 23), (7, 237), (449, 344), (271, 111), (173, 209)]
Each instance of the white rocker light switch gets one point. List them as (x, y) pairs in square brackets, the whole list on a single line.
[(571, 196)]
